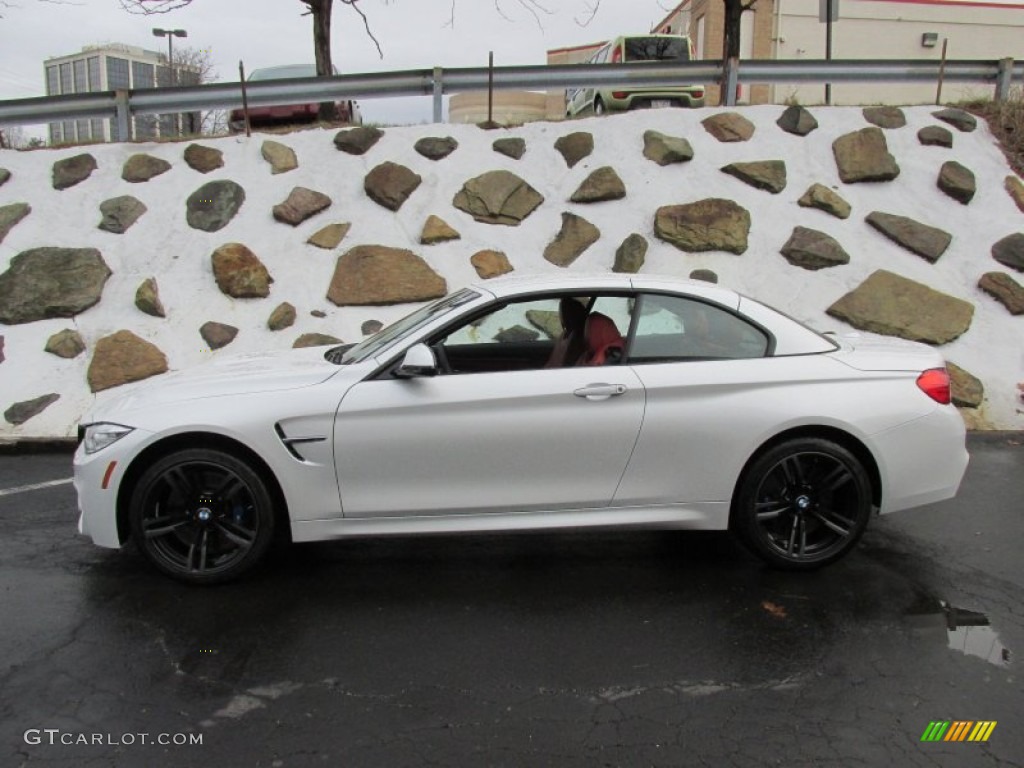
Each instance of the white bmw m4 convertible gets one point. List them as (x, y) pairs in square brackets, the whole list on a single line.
[(525, 404)]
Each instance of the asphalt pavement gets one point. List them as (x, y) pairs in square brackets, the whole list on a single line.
[(552, 649)]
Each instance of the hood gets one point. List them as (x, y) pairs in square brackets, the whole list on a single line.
[(235, 375), (885, 354)]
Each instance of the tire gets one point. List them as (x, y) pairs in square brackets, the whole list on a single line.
[(598, 106), (202, 516), (802, 504)]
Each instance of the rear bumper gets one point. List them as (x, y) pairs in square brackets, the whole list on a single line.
[(675, 97)]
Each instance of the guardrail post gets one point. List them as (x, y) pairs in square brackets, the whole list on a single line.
[(1004, 77), (730, 79), (438, 90), (123, 108)]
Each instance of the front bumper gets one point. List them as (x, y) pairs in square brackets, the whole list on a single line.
[(97, 484)]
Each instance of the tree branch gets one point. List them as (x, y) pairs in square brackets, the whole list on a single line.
[(149, 7), (592, 9), (354, 5)]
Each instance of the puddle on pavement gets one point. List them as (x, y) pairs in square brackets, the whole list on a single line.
[(968, 632)]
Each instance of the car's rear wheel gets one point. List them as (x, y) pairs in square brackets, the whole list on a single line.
[(202, 516), (599, 108), (803, 504)]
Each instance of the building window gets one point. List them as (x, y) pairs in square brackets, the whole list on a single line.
[(79, 68), (54, 133), (145, 127), (52, 83), (168, 125), (83, 129), (69, 132), (117, 73), (94, 73), (96, 124), (142, 75), (65, 78), (163, 77)]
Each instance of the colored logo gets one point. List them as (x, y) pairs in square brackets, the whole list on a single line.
[(958, 730)]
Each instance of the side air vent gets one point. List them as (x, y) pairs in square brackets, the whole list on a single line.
[(291, 444)]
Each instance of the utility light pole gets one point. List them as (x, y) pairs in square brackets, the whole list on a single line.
[(170, 34)]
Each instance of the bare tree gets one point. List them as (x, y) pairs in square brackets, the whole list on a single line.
[(198, 63)]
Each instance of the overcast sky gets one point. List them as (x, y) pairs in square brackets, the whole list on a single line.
[(413, 34)]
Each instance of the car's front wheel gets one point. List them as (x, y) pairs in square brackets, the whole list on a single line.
[(202, 516), (803, 504)]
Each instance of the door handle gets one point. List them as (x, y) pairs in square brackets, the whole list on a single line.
[(600, 391)]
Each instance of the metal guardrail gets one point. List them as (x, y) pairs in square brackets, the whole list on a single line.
[(438, 81)]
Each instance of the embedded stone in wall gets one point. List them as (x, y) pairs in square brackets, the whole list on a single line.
[(4, 176), (21, 412), (379, 275), (728, 127), (517, 334), (42, 283), (666, 150), (330, 236), (280, 156), (707, 275), (1009, 251), (811, 249), (436, 148), (317, 313), (123, 357), (11, 215), (301, 204), (629, 256), (797, 120), (576, 235), (147, 298), (73, 170), (239, 273), (315, 340), (547, 322), (357, 141), (217, 335), (893, 305), (514, 148), (390, 184), (1014, 186), (864, 156), (1, 349), (497, 197), (119, 213), (282, 317), (213, 205), (203, 159), (490, 264), (142, 167), (603, 184), (712, 224), (966, 389), (1005, 290), (370, 327), (885, 117), (957, 182), (769, 175), (935, 136), (437, 230), (824, 199), (928, 242), (67, 343), (573, 147), (962, 121)]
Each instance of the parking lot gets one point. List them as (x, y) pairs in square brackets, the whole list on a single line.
[(554, 649)]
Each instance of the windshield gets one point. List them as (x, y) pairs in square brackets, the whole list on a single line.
[(657, 49), (408, 324)]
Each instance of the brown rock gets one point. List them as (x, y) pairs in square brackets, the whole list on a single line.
[(142, 167), (514, 148), (763, 174), (436, 230), (43, 283), (929, 242), (707, 275), (390, 184), (330, 236), (811, 249), (280, 156), (357, 141), (301, 204), (966, 388), (1009, 251), (203, 159), (497, 197), (629, 256), (73, 170), (666, 150), (217, 335), (67, 344), (712, 224), (213, 205), (935, 136), (576, 235), (11, 215), (962, 121), (729, 127), (824, 199), (376, 274), (957, 182), (282, 317), (315, 340), (864, 156), (490, 264), (4, 176), (603, 184), (123, 357), (797, 120), (147, 298), (885, 117), (1004, 289), (21, 412), (119, 213), (893, 305), (370, 327), (574, 147), (1013, 185), (436, 148), (239, 273)]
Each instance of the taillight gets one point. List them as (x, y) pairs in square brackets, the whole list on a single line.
[(935, 383), (619, 94), (699, 94)]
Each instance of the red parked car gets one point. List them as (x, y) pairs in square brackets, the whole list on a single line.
[(288, 114)]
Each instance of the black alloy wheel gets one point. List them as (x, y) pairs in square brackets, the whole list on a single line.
[(202, 516), (803, 504)]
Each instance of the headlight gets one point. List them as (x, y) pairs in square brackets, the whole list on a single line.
[(99, 436)]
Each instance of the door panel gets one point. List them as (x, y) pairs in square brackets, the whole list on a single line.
[(486, 442)]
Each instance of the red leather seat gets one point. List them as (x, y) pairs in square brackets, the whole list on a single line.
[(603, 340)]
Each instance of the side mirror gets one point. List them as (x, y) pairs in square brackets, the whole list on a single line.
[(419, 360)]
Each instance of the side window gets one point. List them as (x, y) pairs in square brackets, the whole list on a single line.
[(676, 329)]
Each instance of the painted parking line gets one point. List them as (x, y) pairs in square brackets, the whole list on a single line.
[(33, 487)]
